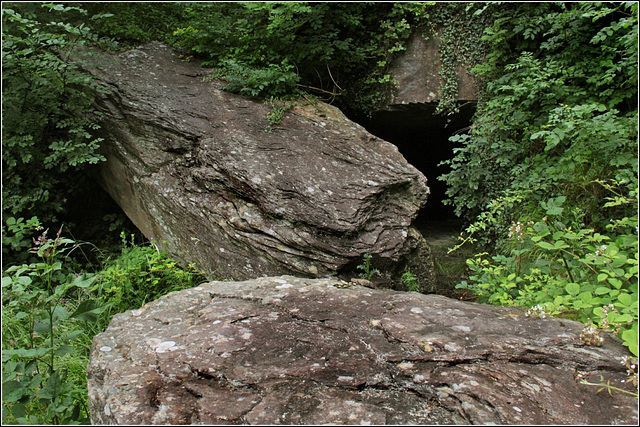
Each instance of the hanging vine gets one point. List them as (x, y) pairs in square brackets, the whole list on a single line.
[(459, 28)]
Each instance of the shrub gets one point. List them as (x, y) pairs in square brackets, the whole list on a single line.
[(51, 313), (47, 108), (558, 112), (37, 300), (566, 271), (135, 23), (138, 275), (272, 81), (335, 48)]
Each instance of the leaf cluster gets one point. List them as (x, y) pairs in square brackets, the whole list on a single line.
[(49, 121), (567, 270)]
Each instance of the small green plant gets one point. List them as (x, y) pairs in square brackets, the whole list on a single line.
[(607, 386), (279, 108), (410, 281), (631, 364), (367, 271)]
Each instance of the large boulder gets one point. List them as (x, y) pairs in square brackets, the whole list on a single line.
[(286, 350), (195, 170)]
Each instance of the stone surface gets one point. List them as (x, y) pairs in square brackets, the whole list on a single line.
[(194, 169), (417, 72), (286, 350)]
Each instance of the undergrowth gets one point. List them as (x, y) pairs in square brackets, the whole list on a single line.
[(51, 312)]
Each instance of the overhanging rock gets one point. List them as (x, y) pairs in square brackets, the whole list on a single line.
[(286, 350), (416, 92), (417, 73), (411, 117), (194, 169)]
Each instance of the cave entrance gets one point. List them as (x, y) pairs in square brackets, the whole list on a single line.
[(91, 215), (423, 139)]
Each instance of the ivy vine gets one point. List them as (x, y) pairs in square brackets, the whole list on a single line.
[(459, 28)]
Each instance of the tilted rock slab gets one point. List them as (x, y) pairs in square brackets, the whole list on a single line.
[(195, 170), (286, 350)]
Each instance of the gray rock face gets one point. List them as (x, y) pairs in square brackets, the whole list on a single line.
[(285, 350), (194, 169), (417, 72)]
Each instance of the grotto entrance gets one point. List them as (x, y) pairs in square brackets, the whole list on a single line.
[(423, 139)]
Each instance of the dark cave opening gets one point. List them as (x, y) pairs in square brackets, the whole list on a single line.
[(93, 216), (422, 137)]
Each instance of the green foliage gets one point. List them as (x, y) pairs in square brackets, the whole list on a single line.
[(50, 315), (459, 27), (367, 271), (267, 33), (36, 299), (135, 23), (270, 82), (558, 112), (16, 238), (280, 107), (138, 275), (567, 270), (410, 281), (47, 109), (341, 50), (549, 168)]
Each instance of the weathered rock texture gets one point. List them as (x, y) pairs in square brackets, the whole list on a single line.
[(302, 351), (417, 72), (194, 169)]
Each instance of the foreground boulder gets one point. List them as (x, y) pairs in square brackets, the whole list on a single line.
[(286, 350), (195, 170)]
